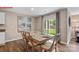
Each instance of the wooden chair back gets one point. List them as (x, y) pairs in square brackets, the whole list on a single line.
[(28, 40), (54, 43), (25, 36)]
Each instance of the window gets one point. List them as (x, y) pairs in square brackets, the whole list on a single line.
[(49, 25), (24, 23)]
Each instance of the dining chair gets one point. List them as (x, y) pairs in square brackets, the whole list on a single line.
[(33, 44), (53, 46), (42, 44), (77, 36), (45, 45), (39, 46), (30, 44), (24, 34)]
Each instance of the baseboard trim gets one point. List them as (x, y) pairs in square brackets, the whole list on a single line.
[(2, 44), (8, 41), (11, 40), (63, 43)]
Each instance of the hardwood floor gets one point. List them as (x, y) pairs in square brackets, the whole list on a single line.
[(19, 46), (72, 47), (13, 46)]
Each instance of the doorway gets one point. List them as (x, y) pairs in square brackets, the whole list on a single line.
[(75, 27)]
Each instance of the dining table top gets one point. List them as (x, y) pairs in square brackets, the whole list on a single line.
[(39, 38)]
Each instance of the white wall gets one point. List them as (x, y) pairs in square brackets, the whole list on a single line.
[(36, 24), (39, 24), (11, 26), (33, 27), (63, 25)]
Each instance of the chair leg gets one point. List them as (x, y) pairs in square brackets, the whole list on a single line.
[(33, 49), (40, 48), (27, 48), (56, 48), (43, 50)]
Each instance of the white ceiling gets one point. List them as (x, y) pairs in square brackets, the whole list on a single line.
[(32, 11), (37, 11), (74, 10)]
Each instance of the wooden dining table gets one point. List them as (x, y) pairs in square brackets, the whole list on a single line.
[(38, 38)]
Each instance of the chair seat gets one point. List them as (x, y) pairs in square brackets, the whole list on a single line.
[(31, 43), (35, 49), (48, 44)]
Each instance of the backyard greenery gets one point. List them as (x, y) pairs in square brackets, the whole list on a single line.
[(52, 21), (51, 27), (52, 31)]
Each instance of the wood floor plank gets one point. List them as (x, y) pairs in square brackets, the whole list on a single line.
[(19, 46)]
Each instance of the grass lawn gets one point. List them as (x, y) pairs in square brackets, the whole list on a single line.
[(52, 32)]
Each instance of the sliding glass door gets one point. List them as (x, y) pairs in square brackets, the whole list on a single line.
[(49, 25)]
